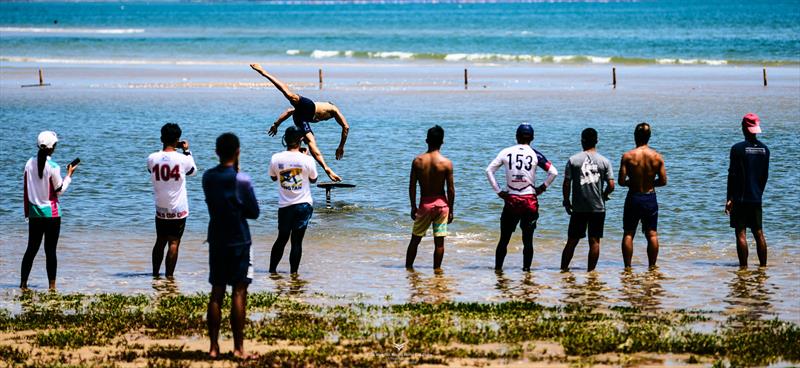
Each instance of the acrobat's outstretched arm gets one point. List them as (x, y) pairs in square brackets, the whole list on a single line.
[(291, 96), (345, 130), (274, 128)]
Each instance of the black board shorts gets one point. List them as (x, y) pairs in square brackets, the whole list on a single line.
[(304, 112), (580, 221), (229, 265), (170, 229), (746, 215), (640, 207)]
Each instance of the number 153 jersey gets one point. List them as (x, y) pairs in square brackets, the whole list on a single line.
[(168, 171)]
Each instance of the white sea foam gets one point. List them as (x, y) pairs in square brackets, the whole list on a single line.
[(666, 61), (599, 59), (348, 53), (563, 58), (392, 55), (715, 62), (292, 52), (72, 30), (321, 54)]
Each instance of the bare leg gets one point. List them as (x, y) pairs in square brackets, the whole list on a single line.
[(438, 252), (741, 246), (594, 253), (158, 255), (214, 317), (527, 249), (761, 247), (297, 249), (411, 252), (172, 257), (291, 96), (568, 252), (502, 249), (652, 247), (238, 317), (627, 247), (315, 152), (277, 250)]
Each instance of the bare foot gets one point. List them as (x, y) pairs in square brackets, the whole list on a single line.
[(213, 352)]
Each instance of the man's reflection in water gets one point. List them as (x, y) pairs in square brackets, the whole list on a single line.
[(526, 290), (164, 287), (643, 290), (749, 294), (435, 289), (588, 294), (292, 285)]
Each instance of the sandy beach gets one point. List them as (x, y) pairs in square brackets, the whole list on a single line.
[(116, 72)]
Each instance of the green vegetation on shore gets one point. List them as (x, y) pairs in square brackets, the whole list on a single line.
[(371, 335)]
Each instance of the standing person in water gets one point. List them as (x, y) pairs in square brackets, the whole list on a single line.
[(747, 178), (295, 172), (168, 170), (590, 179), (641, 170), (231, 202), (42, 185), (521, 195), (305, 111), (434, 172)]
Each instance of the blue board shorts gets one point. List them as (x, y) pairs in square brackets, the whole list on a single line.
[(294, 217), (304, 112), (640, 207), (230, 265)]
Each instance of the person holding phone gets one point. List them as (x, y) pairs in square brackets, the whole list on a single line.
[(43, 184), (168, 170)]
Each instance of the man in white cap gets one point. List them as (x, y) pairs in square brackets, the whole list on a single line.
[(747, 178)]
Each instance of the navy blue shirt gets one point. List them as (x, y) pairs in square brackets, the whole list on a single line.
[(748, 172), (231, 201)]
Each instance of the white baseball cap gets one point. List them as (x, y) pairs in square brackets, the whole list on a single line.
[(47, 139)]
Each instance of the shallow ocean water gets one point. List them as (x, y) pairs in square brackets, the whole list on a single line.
[(110, 117)]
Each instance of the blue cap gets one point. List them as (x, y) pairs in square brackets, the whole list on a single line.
[(525, 129)]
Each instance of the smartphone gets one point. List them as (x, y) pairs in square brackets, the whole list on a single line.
[(74, 162)]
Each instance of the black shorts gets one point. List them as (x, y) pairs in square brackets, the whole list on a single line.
[(304, 112), (640, 207), (579, 221), (170, 229), (229, 265), (746, 215), (511, 217), (294, 217)]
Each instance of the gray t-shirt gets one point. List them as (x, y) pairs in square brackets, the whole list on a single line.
[(589, 172)]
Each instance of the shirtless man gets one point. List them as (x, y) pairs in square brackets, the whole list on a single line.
[(303, 112), (641, 170), (432, 170)]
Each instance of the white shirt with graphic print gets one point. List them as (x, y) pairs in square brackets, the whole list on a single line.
[(294, 172)]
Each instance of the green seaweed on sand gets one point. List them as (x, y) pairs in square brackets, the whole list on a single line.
[(358, 334)]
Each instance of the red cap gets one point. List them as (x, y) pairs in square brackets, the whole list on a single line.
[(752, 123)]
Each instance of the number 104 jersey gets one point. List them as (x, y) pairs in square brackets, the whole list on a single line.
[(168, 171)]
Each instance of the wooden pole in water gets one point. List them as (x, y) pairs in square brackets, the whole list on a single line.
[(614, 76), (320, 78), (466, 78), (41, 79), (765, 76)]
